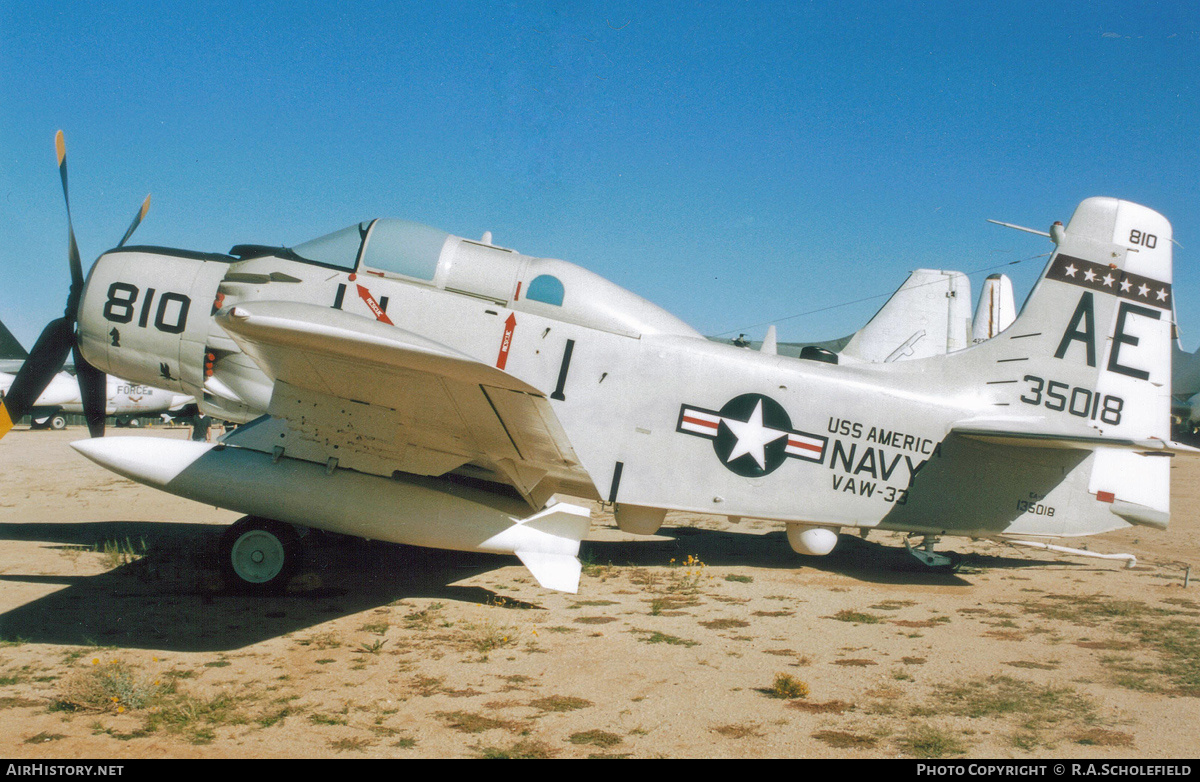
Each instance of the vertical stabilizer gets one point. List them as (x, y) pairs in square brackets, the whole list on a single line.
[(996, 309), (930, 314), (770, 343), (10, 348), (1086, 365), (1091, 349)]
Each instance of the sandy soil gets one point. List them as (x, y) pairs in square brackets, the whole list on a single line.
[(673, 647)]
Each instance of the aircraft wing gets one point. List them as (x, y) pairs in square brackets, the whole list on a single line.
[(380, 399)]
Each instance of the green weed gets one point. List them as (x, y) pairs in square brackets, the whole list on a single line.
[(117, 553), (787, 687), (927, 741)]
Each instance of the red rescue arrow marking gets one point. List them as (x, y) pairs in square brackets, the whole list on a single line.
[(380, 315), (506, 343)]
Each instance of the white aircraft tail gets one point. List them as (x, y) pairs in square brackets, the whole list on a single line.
[(996, 310), (930, 314), (1085, 367), (1097, 328)]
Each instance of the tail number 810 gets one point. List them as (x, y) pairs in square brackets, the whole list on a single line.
[(1077, 401)]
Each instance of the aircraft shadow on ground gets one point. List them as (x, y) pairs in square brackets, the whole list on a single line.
[(173, 598), (863, 560)]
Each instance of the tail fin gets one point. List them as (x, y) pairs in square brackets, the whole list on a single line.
[(10, 348), (547, 543), (996, 309), (930, 314), (1086, 365), (1090, 351)]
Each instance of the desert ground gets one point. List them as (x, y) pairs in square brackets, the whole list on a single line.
[(710, 639)]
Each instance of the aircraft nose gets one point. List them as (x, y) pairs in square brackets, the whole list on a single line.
[(145, 315)]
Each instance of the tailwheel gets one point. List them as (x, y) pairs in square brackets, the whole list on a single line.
[(939, 563), (259, 555)]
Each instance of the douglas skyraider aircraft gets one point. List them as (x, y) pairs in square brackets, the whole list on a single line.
[(412, 386)]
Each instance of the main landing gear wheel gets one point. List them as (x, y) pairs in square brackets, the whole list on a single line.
[(259, 555)]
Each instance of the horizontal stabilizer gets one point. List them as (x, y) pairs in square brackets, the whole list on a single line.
[(1022, 433), (1144, 515)]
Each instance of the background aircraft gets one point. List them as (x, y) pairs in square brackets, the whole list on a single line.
[(123, 400), (1185, 387), (126, 401), (929, 304), (12, 355), (434, 390), (928, 315)]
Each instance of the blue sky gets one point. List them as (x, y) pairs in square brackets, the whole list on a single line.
[(737, 163)]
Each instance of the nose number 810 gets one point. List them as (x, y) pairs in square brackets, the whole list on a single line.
[(170, 316)]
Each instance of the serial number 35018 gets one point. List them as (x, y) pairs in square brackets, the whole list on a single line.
[(1077, 401)]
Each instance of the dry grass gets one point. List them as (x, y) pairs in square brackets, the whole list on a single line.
[(844, 740)]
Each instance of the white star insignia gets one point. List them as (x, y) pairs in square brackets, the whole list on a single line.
[(1070, 270), (1125, 286), (1108, 280), (1162, 295), (1143, 289), (752, 437), (1089, 275)]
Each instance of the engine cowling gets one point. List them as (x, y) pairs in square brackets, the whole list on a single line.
[(146, 313)]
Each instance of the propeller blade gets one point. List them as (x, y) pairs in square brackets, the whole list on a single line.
[(60, 146), (93, 390), (58, 339), (141, 215), (44, 362)]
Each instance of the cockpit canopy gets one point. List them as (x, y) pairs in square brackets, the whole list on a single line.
[(412, 252), (397, 246)]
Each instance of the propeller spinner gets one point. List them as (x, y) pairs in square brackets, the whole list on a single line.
[(49, 353)]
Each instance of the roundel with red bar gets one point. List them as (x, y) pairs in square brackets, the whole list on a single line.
[(751, 434)]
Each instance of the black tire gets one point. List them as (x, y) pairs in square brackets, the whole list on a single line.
[(259, 556), (57, 422)]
